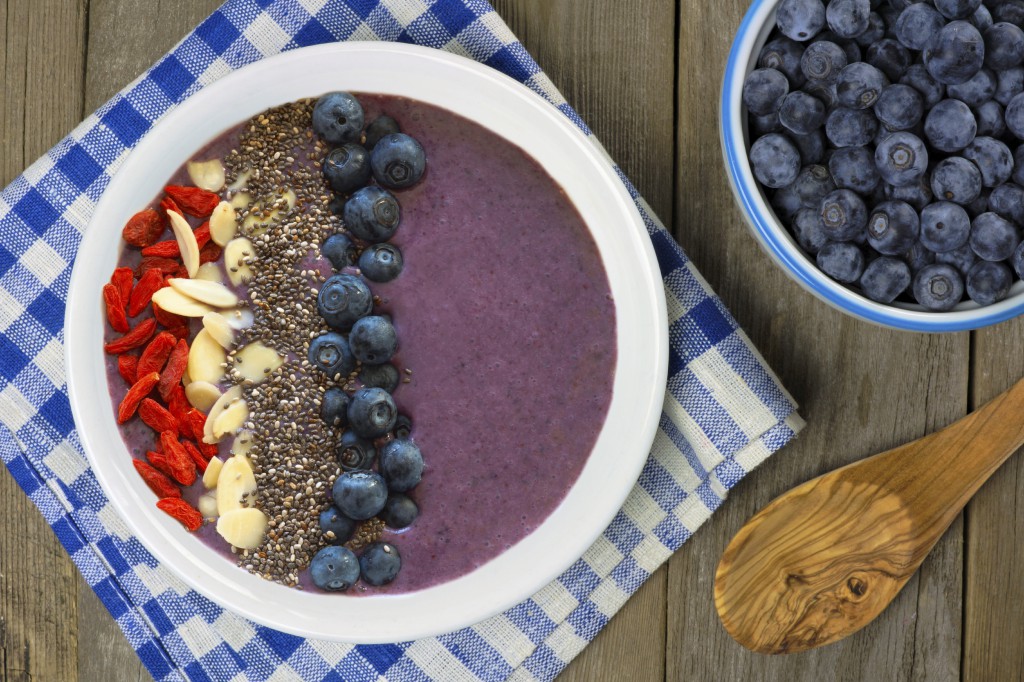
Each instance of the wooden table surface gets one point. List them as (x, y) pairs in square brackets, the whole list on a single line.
[(647, 81)]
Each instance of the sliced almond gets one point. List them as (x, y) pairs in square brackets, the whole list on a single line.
[(213, 294), (241, 180), (173, 301), (218, 327), (242, 443), (187, 243), (206, 359), (230, 396), (212, 473), (208, 175), (202, 395), (236, 253), (210, 272), (208, 505), (256, 362), (238, 318), (241, 201), (231, 419), (265, 213), (186, 380), (236, 484), (243, 528), (222, 223)]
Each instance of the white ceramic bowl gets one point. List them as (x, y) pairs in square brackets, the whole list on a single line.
[(510, 110), (775, 238)]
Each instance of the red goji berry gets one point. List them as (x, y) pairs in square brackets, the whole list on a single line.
[(159, 462), (151, 282), (128, 367), (143, 228), (166, 266), (168, 319), (155, 416), (123, 278), (182, 469), (157, 482), (202, 234), (115, 308), (193, 200), (156, 353), (133, 339), (196, 456), (209, 450), (177, 361), (181, 511), (181, 332), (177, 403), (196, 424), (181, 273), (166, 249), (139, 390), (210, 253), (168, 205)]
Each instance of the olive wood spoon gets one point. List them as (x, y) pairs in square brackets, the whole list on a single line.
[(824, 559)]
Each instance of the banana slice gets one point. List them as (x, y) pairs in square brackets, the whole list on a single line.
[(230, 396), (240, 181), (243, 528), (206, 358), (208, 505), (202, 395), (238, 318), (231, 419), (222, 223), (241, 201), (210, 272), (235, 485), (255, 362), (212, 473), (212, 294), (208, 175), (173, 301), (236, 253), (242, 444), (187, 243), (218, 327)]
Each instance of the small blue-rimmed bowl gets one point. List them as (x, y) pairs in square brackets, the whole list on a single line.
[(776, 240)]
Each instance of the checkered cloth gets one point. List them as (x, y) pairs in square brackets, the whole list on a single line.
[(724, 413)]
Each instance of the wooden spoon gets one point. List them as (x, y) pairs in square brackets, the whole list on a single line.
[(824, 559)]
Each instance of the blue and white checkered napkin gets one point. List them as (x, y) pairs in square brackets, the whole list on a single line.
[(725, 411)]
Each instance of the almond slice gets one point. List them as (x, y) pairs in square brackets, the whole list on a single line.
[(208, 175), (238, 318), (231, 419), (241, 201), (208, 505), (218, 327), (210, 272), (235, 484), (212, 473), (202, 395), (230, 396), (206, 359), (243, 528), (187, 243), (236, 253), (255, 362), (173, 301), (222, 223), (242, 443), (241, 180), (213, 294)]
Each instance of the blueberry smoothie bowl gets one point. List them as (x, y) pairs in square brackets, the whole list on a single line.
[(362, 350)]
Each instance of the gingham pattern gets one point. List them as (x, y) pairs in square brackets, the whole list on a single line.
[(724, 414)]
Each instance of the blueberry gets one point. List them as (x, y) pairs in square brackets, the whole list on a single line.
[(381, 262), (360, 495), (902, 159), (340, 250), (893, 227), (885, 278), (333, 521), (988, 282), (762, 125), (811, 147), (355, 453), (331, 355), (372, 412), (384, 376), (823, 90), (347, 168), (1007, 200), (993, 159), (899, 107), (1004, 46), (842, 261), (957, 9), (801, 113), (398, 161), (378, 128), (800, 19), (950, 126), (334, 569), (343, 299), (1009, 84), (917, 24), (812, 184), (403, 427), (848, 18), (962, 258), (380, 564), (401, 463), (918, 257), (917, 195), (874, 33), (993, 237), (373, 340), (806, 228), (334, 407), (822, 61), (956, 179), (991, 122), (847, 127), (1018, 260), (764, 90), (981, 19), (1011, 11), (889, 57), (917, 77), (955, 53), (1014, 115), (783, 55), (981, 87), (854, 168), (337, 118), (859, 85), (944, 226), (1018, 166), (786, 202), (979, 205), (843, 215), (372, 214), (775, 160), (399, 511), (938, 287)]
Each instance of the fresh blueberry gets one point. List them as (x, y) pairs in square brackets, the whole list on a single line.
[(842, 261), (783, 54), (1007, 200), (1004, 46), (848, 18), (775, 160), (1011, 11), (993, 237), (1009, 84), (917, 77), (979, 205), (333, 521), (372, 214), (988, 282), (859, 85), (373, 340), (355, 453), (944, 226), (399, 511), (381, 126), (801, 113), (334, 569), (334, 407), (956, 179), (372, 412), (401, 463), (993, 159), (398, 161), (823, 90), (337, 118), (889, 57), (893, 228), (991, 122), (811, 147), (918, 257), (806, 228), (1014, 115), (822, 61), (764, 90), (851, 48), (380, 564), (902, 159), (981, 87), (381, 262), (360, 495), (847, 127), (800, 19), (917, 195), (981, 19), (331, 355), (938, 287), (812, 184), (340, 250), (917, 24), (342, 300), (854, 168), (1018, 260), (403, 427), (347, 167), (874, 33), (957, 9), (950, 126), (843, 215), (962, 258), (762, 125), (380, 376), (885, 278), (1018, 166), (786, 202), (955, 53), (899, 107)]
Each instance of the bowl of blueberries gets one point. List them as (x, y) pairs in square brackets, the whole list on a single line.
[(876, 147)]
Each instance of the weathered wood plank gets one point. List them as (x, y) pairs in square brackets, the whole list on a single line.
[(863, 390)]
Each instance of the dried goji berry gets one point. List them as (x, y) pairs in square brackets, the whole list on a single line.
[(133, 339), (177, 361), (182, 511), (196, 456), (181, 332), (156, 416), (167, 249), (209, 450), (115, 308), (143, 228), (168, 204), (157, 482), (151, 282), (139, 390), (123, 278), (159, 462), (210, 253), (128, 367), (166, 266), (168, 319), (156, 353), (177, 403), (193, 200), (181, 272), (182, 469), (202, 234), (196, 424)]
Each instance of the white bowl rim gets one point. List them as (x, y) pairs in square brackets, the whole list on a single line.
[(614, 466)]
